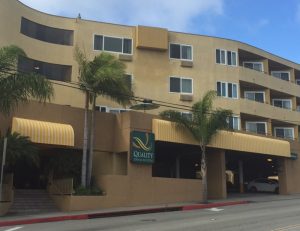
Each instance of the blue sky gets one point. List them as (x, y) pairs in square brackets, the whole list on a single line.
[(272, 25)]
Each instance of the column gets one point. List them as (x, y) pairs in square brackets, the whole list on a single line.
[(216, 176), (178, 166), (241, 176)]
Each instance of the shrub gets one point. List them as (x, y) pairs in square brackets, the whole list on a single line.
[(92, 191)]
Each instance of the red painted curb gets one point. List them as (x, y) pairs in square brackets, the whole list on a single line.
[(118, 213), (212, 205), (89, 216), (43, 220)]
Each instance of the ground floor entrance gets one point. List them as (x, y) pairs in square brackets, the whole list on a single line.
[(173, 160), (36, 171), (246, 172)]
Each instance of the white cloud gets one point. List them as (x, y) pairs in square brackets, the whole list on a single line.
[(174, 15)]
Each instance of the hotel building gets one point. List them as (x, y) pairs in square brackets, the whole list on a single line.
[(262, 90)]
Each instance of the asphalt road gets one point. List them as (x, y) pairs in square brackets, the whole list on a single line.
[(274, 215)]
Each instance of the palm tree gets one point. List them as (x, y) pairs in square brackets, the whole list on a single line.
[(104, 76), (203, 125), (17, 86), (19, 148)]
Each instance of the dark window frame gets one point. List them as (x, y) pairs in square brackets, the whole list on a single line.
[(126, 49), (46, 33), (51, 71), (181, 46)]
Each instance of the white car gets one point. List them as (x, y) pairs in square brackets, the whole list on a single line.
[(263, 185)]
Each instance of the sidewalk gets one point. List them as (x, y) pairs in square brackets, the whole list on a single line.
[(233, 199), (21, 219)]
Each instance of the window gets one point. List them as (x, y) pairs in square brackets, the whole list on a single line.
[(258, 66), (229, 90), (298, 81), (220, 56), (258, 96), (298, 108), (181, 85), (284, 75), (110, 109), (286, 133), (187, 115), (226, 57), (256, 127), (178, 51), (283, 103), (49, 70), (46, 33), (231, 58), (101, 108), (112, 44), (234, 123)]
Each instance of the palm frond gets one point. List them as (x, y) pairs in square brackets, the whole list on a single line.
[(8, 59), (217, 121), (19, 147), (20, 87), (104, 75), (205, 122), (182, 121), (16, 86)]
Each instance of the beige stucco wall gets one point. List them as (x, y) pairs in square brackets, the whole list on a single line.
[(150, 69), (289, 172), (123, 191), (143, 189)]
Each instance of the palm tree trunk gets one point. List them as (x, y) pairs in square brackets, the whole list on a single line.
[(91, 150), (204, 173), (85, 140)]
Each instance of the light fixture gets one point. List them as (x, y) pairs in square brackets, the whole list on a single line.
[(269, 160), (146, 104)]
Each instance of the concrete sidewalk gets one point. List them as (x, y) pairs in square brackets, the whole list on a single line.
[(233, 199), (21, 219)]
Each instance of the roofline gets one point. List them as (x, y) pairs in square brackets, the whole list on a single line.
[(70, 18), (208, 36), (237, 41)]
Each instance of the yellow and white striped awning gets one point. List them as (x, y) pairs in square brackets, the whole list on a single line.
[(44, 132), (168, 131)]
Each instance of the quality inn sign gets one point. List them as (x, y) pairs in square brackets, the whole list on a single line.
[(142, 147)]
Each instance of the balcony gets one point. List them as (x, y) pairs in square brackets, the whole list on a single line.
[(258, 109), (268, 111), (268, 81)]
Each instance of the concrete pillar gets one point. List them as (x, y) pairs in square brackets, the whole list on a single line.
[(294, 103), (241, 176), (178, 166), (266, 66), (289, 172), (216, 176), (269, 127), (296, 133), (292, 75), (267, 96)]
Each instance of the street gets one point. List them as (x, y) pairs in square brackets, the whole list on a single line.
[(277, 215)]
